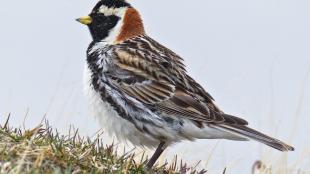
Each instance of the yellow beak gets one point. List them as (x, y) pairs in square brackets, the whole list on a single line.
[(86, 20)]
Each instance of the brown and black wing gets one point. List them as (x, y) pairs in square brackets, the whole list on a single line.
[(157, 77)]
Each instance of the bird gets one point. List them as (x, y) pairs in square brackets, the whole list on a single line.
[(140, 91)]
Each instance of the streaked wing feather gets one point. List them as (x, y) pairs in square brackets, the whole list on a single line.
[(141, 66), (148, 92), (175, 110)]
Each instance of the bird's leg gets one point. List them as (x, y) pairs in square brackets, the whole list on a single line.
[(160, 149)]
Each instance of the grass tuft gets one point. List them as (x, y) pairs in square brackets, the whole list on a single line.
[(44, 150)]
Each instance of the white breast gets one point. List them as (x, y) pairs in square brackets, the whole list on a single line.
[(110, 120)]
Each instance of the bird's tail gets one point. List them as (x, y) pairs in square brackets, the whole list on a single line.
[(249, 133)]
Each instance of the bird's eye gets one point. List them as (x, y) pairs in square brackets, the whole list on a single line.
[(100, 17)]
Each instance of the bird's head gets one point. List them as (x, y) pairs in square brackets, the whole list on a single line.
[(113, 21)]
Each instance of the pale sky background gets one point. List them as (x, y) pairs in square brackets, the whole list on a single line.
[(253, 56)]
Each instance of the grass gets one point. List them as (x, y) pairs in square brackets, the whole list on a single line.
[(44, 150)]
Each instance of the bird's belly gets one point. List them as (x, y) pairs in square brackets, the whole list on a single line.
[(110, 120)]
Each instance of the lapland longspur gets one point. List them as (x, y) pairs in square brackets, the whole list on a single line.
[(140, 91)]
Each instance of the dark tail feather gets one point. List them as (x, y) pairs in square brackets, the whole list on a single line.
[(247, 132)]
